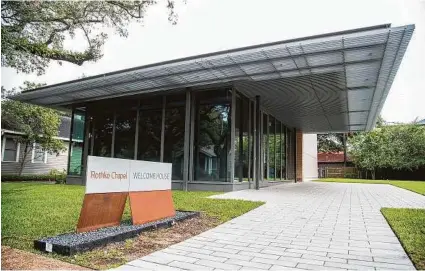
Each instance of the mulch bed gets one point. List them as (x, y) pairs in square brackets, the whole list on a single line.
[(15, 259)]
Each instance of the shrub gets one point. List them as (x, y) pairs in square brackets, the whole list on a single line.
[(54, 175)]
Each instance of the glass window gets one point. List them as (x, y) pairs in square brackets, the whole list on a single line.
[(125, 132), (150, 121), (278, 150), (265, 147), (242, 139), (39, 154), (77, 142), (174, 134), (103, 128), (272, 148), (10, 150), (212, 142)]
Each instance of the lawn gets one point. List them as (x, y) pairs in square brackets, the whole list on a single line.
[(409, 226), (33, 210), (415, 186)]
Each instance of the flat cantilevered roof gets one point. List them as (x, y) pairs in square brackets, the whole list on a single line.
[(327, 83)]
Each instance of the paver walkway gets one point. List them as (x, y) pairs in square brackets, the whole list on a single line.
[(301, 226)]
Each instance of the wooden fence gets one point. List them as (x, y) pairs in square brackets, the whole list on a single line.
[(338, 172)]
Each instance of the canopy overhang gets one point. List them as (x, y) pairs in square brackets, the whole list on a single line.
[(327, 83)]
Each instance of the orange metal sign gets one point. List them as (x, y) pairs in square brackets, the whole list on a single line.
[(101, 210), (148, 206)]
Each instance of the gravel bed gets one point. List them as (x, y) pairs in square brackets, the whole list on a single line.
[(71, 243)]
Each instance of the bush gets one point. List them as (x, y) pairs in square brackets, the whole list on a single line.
[(53, 176)]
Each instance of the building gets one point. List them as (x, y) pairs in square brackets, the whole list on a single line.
[(233, 119), (38, 161)]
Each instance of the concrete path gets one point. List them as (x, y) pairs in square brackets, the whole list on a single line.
[(301, 226)]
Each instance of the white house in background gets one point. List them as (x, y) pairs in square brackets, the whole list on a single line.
[(38, 161)]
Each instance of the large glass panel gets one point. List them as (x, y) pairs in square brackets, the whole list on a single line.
[(244, 135), (272, 148), (212, 142), (125, 130), (265, 147), (150, 121), (278, 151), (174, 134), (77, 143), (103, 128), (238, 140)]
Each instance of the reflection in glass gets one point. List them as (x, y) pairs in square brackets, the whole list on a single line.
[(174, 134), (265, 146), (103, 128), (212, 136), (272, 148), (149, 145), (125, 130)]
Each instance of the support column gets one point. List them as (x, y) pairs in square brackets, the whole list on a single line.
[(186, 140), (299, 155), (257, 142)]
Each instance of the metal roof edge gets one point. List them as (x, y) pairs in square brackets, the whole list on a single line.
[(350, 31)]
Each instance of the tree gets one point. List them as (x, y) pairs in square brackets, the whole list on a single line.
[(390, 146), (37, 124), (33, 32), (330, 142)]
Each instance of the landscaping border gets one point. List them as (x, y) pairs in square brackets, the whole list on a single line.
[(71, 243)]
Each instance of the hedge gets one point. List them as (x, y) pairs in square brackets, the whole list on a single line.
[(34, 178)]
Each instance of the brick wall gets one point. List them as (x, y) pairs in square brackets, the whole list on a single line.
[(299, 155)]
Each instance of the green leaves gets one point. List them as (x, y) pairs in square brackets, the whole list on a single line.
[(33, 32), (391, 146)]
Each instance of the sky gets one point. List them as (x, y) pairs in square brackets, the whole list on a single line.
[(206, 26)]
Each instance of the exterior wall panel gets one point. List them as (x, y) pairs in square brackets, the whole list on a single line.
[(53, 162)]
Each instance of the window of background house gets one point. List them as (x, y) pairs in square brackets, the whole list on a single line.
[(39, 155), (10, 150)]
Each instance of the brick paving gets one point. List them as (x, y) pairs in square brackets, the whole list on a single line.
[(301, 226)]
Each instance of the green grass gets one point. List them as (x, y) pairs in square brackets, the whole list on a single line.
[(415, 186), (409, 226), (34, 210)]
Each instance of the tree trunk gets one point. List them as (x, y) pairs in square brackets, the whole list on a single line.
[(23, 161), (373, 174)]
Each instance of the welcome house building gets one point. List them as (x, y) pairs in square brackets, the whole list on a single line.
[(233, 119)]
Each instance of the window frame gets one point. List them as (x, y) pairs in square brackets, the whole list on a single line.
[(18, 149), (33, 155)]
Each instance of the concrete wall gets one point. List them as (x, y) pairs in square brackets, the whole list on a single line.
[(309, 157)]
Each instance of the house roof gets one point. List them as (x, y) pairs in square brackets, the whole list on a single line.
[(331, 157), (63, 133), (421, 122), (335, 82)]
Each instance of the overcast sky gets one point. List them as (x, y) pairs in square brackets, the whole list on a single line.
[(210, 25)]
